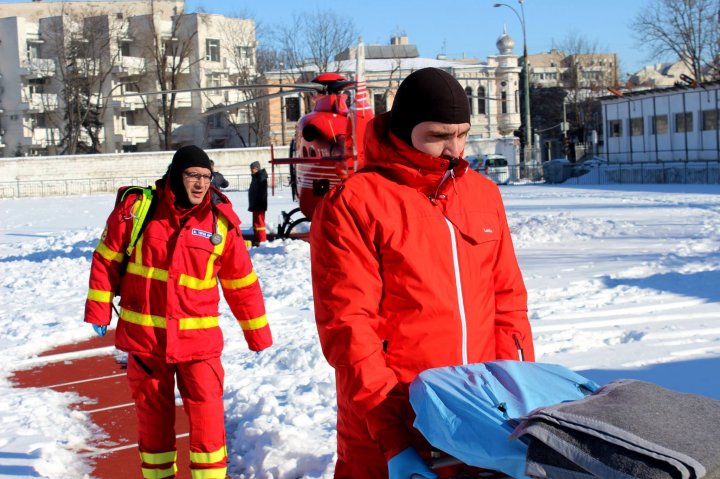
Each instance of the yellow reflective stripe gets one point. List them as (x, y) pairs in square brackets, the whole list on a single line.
[(138, 251), (147, 271), (109, 254), (159, 473), (142, 319), (260, 228), (196, 283), (199, 323), (100, 296), (208, 457), (209, 281), (251, 324), (158, 457), (239, 283), (219, 473)]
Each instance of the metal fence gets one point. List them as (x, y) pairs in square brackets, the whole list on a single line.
[(598, 173), (88, 186)]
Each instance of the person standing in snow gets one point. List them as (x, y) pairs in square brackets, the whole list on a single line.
[(413, 268), (257, 201), (218, 180), (168, 322)]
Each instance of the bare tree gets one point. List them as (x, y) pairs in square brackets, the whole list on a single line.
[(316, 38), (81, 44), (170, 53), (683, 29)]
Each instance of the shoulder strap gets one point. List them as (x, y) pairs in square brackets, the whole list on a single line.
[(142, 211)]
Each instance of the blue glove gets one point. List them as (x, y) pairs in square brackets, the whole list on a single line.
[(100, 330), (408, 463)]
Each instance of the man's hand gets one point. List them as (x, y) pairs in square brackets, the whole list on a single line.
[(407, 464), (100, 330)]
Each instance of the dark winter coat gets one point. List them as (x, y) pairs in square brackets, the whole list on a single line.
[(219, 181), (257, 194)]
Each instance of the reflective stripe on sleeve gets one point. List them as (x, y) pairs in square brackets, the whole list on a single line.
[(252, 324), (109, 254), (239, 283), (100, 296)]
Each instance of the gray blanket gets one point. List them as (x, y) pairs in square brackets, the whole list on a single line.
[(627, 429)]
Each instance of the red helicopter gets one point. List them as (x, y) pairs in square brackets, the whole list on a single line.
[(327, 146)]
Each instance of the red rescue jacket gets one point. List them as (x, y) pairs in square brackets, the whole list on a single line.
[(169, 295), (413, 267)]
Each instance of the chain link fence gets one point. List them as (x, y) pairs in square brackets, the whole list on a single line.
[(89, 186)]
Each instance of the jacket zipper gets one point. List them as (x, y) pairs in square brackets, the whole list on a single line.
[(458, 287)]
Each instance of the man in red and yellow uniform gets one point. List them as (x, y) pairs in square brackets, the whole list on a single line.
[(413, 268), (169, 301)]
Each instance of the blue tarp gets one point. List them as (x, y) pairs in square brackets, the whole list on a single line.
[(469, 411)]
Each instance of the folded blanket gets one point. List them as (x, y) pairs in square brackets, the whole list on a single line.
[(626, 429)]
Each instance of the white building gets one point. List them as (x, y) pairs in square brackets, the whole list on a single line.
[(663, 125), (54, 53)]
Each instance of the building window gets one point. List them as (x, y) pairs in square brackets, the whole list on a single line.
[(379, 103), (215, 120), (468, 92), (615, 128), (212, 50), (125, 48), (292, 109), (245, 55), (636, 127), (36, 85), (481, 100), (709, 120), (683, 122), (33, 50), (503, 102), (659, 124)]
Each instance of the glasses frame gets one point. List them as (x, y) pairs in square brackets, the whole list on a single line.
[(196, 177)]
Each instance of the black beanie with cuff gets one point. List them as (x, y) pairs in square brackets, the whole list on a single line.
[(185, 157), (428, 94)]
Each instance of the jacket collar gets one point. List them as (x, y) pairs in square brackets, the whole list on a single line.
[(403, 163)]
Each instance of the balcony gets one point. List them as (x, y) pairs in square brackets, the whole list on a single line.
[(38, 102), (37, 67), (131, 103), (173, 63), (129, 66), (183, 100), (44, 137), (133, 134)]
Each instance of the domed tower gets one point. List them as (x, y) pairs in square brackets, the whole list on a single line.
[(505, 43), (507, 85)]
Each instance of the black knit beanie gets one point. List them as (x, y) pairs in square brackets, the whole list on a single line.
[(184, 158), (428, 94)]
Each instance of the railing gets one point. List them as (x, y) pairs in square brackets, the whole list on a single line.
[(88, 186)]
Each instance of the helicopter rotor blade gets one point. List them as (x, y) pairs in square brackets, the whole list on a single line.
[(296, 86), (250, 101)]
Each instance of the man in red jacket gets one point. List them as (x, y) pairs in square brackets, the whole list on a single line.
[(413, 268), (168, 321)]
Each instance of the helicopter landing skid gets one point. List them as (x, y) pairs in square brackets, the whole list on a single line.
[(290, 221)]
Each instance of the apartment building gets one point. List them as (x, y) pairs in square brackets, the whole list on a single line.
[(592, 72), (492, 86), (70, 73)]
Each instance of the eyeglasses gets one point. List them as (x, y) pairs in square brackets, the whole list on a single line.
[(197, 177)]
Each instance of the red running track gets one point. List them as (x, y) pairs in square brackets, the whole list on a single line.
[(100, 379)]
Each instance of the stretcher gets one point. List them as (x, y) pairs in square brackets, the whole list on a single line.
[(535, 421)]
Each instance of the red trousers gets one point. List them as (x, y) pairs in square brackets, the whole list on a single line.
[(259, 226), (152, 383)]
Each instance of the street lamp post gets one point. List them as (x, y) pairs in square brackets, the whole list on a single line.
[(526, 74)]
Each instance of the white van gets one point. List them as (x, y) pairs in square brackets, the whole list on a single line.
[(495, 167)]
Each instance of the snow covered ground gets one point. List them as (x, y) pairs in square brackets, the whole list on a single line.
[(623, 282)]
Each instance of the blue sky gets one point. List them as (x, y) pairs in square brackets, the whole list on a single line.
[(467, 27)]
